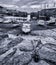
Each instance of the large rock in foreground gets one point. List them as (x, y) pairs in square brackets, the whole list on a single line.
[(22, 59), (48, 52), (7, 58), (41, 62)]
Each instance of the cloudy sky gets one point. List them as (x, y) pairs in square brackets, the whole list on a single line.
[(26, 3)]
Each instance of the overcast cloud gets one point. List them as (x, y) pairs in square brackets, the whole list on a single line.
[(26, 2)]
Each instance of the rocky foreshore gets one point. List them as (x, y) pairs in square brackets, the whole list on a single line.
[(39, 48)]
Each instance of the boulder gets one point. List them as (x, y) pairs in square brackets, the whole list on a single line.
[(14, 42), (48, 52), (22, 59), (7, 58), (11, 57), (4, 42), (41, 62), (26, 45), (48, 40), (3, 45)]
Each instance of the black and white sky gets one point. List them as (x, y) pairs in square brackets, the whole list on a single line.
[(25, 3)]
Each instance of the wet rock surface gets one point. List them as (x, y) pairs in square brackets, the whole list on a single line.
[(39, 48)]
